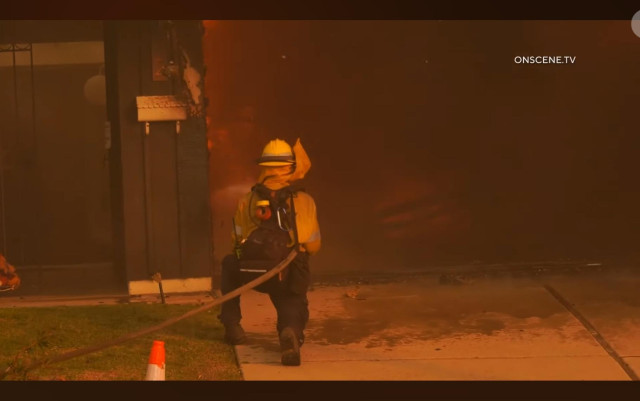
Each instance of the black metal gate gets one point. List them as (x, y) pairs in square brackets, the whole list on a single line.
[(18, 171), (55, 218)]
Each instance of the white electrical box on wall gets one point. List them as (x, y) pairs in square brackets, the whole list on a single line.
[(160, 108)]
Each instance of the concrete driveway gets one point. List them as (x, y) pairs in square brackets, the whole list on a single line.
[(488, 329)]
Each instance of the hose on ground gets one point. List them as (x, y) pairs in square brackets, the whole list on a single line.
[(95, 348)]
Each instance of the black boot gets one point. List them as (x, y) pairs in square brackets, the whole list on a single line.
[(234, 334), (290, 347)]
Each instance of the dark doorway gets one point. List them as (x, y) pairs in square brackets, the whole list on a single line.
[(55, 203)]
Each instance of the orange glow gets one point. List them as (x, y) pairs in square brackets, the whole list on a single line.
[(8, 275), (233, 139), (398, 218), (418, 207), (209, 24)]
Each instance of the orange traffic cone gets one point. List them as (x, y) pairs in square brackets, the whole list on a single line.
[(155, 368)]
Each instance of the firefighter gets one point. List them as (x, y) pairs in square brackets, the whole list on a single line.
[(275, 217)]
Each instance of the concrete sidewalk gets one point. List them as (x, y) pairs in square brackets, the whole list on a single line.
[(419, 329)]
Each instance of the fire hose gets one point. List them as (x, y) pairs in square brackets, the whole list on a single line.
[(99, 347)]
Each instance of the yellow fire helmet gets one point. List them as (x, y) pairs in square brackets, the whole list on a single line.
[(277, 153)]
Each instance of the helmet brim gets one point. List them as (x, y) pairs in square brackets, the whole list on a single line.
[(275, 164)]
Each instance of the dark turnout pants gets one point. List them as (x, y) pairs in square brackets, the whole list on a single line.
[(289, 298)]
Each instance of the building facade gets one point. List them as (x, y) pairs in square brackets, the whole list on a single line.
[(104, 169)]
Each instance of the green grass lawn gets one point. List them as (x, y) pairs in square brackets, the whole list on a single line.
[(194, 347)]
